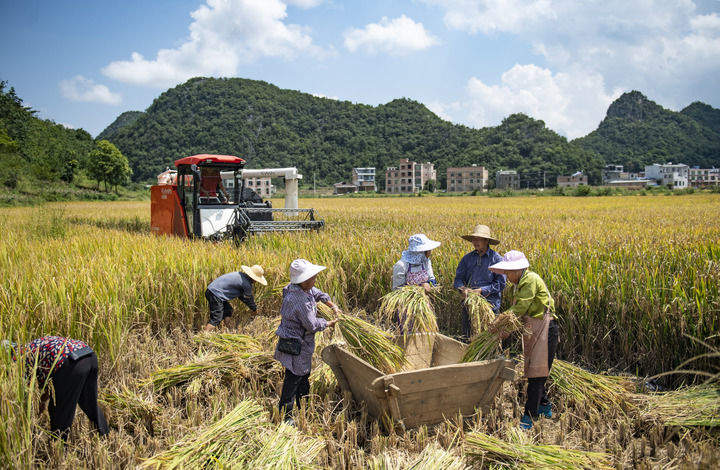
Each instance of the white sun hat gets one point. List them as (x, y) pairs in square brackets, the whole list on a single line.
[(301, 270), (420, 242), (512, 260), (256, 273)]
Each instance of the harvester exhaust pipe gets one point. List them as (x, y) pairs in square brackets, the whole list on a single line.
[(291, 181)]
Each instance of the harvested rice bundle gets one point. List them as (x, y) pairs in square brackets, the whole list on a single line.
[(411, 306), (224, 364), (243, 438), (135, 404), (604, 392), (228, 341), (691, 406), (431, 458), (368, 342), (518, 451), (480, 312), (486, 342), (322, 380)]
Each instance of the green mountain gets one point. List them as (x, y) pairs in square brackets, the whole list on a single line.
[(127, 118), (272, 127), (637, 131)]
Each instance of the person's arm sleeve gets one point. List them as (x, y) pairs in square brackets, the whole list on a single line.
[(524, 296), (460, 274), (309, 319), (319, 295), (399, 275), (431, 274), (496, 286)]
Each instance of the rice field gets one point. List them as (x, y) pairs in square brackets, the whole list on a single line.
[(635, 279)]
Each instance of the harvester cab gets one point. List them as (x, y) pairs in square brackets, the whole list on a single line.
[(207, 198)]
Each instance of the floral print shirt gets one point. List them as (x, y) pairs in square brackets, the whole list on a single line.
[(50, 353)]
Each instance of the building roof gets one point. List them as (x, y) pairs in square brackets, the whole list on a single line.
[(204, 157)]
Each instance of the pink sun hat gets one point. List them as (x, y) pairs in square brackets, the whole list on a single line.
[(512, 260)]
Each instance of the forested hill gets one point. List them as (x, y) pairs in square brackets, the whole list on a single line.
[(127, 118), (637, 131), (272, 127)]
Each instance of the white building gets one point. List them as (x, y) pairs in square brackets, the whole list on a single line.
[(364, 178), (672, 175)]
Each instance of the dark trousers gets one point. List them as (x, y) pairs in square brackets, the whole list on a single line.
[(294, 388), (75, 383), (536, 393), (219, 309)]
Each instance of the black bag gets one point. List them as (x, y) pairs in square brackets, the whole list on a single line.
[(81, 353), (289, 346)]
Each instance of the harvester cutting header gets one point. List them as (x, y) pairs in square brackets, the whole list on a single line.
[(206, 197)]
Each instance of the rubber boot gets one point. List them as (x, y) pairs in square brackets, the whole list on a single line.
[(526, 422), (545, 410)]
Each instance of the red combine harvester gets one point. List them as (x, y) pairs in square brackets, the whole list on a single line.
[(207, 198)]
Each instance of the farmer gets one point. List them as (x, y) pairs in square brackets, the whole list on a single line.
[(296, 333), (414, 266), (473, 274), (73, 368), (237, 284), (211, 185), (533, 304)]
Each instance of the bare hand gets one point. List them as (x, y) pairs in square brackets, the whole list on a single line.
[(427, 287)]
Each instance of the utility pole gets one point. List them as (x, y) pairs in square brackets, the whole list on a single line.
[(314, 188), (543, 179)]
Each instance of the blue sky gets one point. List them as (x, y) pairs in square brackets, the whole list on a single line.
[(82, 63)]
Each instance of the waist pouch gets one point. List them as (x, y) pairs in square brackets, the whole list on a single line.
[(80, 353), (289, 346)]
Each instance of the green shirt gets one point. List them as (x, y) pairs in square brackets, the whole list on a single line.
[(532, 297)]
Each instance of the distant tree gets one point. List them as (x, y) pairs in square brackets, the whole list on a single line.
[(107, 164), (430, 185)]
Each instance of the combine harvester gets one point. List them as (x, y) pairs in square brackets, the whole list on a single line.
[(206, 198)]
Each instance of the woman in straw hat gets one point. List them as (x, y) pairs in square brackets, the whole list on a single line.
[(535, 306), (296, 334), (473, 274), (414, 267), (237, 284)]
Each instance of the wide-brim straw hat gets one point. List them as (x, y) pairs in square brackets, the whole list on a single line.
[(512, 261), (421, 243), (301, 270), (256, 273), (481, 231)]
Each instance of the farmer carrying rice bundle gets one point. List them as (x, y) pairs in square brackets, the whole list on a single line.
[(535, 307), (473, 274), (414, 267), (296, 334)]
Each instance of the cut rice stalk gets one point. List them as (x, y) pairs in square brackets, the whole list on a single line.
[(518, 451), (685, 407), (138, 406), (485, 345), (480, 312), (224, 364), (409, 306), (604, 392), (228, 341), (432, 457)]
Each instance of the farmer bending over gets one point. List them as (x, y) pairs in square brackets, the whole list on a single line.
[(72, 366), (535, 307), (234, 285), (296, 333)]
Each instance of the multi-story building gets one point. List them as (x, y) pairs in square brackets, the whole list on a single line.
[(408, 177), (507, 179), (574, 180), (613, 173), (364, 178), (262, 186), (467, 178), (701, 177), (674, 176)]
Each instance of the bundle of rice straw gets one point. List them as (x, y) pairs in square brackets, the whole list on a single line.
[(518, 451), (480, 312), (604, 392), (411, 307), (486, 342), (243, 438), (137, 406), (431, 458), (367, 341), (322, 380), (228, 341), (225, 364), (691, 406)]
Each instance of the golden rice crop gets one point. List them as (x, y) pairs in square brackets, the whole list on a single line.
[(486, 342), (480, 312), (604, 392), (410, 308), (685, 407)]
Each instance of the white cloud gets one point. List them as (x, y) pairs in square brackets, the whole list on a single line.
[(304, 3), (80, 88), (396, 37), (223, 35), (572, 103), (446, 111), (320, 95)]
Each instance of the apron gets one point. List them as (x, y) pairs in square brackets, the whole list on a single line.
[(535, 346), (418, 277)]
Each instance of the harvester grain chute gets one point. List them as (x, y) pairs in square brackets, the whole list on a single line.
[(206, 197)]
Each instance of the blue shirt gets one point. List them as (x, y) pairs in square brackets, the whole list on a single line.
[(473, 272), (299, 320), (232, 286)]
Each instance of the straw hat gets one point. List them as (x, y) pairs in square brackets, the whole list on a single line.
[(481, 231), (420, 242), (301, 270), (256, 273), (512, 260)]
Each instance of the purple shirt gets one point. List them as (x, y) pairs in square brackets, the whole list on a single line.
[(299, 320)]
